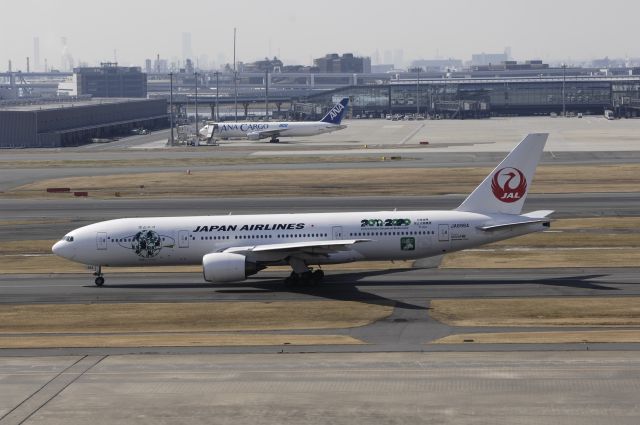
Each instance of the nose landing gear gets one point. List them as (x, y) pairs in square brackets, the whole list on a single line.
[(99, 278)]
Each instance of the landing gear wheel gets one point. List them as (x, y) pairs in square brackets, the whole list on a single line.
[(292, 280), (306, 277), (316, 277), (99, 278), (274, 141)]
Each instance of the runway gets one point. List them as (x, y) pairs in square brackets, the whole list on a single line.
[(411, 287)]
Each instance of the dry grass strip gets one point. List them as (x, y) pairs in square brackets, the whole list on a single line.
[(172, 340), (188, 317), (569, 337), (339, 182), (564, 311)]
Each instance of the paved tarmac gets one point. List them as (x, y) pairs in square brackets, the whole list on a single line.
[(585, 388)]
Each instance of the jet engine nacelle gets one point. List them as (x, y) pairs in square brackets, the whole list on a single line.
[(254, 135), (222, 267)]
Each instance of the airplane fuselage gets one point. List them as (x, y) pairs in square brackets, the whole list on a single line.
[(387, 235), (253, 130)]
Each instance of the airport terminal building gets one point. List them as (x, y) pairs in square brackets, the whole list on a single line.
[(76, 122), (484, 97)]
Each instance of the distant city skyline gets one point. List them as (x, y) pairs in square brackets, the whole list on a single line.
[(130, 32)]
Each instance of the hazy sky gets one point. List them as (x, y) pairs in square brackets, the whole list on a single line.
[(298, 31)]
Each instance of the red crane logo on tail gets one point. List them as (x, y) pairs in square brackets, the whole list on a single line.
[(509, 185)]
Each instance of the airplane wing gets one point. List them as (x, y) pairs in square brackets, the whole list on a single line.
[(271, 252)]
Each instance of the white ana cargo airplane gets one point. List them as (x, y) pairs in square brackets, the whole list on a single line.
[(275, 130), (230, 248)]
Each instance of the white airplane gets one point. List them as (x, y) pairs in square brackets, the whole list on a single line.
[(262, 130), (231, 248)]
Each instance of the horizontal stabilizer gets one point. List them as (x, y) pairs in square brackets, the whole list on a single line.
[(539, 214), (514, 224)]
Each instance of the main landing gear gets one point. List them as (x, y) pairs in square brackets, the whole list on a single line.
[(274, 140), (302, 274), (310, 277), (99, 278)]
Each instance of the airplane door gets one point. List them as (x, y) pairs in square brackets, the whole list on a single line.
[(337, 232), (443, 232), (101, 240), (183, 239)]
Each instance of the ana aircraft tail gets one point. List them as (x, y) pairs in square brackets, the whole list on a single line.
[(506, 188), (334, 116)]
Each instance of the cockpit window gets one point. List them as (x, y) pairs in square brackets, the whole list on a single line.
[(68, 238)]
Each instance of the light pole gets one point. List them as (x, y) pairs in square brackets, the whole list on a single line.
[(266, 94), (217, 90), (235, 76), (235, 90), (196, 75), (171, 105), (418, 93), (564, 69)]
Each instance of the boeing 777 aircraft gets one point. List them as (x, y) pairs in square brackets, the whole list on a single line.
[(275, 130), (230, 248)]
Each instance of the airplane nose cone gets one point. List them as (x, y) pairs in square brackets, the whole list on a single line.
[(57, 248), (62, 249)]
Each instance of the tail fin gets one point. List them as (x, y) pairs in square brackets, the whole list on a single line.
[(335, 114), (506, 188)]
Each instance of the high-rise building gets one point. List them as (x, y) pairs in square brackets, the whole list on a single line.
[(160, 65), (188, 66), (387, 57), (187, 53), (490, 58), (398, 58), (333, 62), (111, 80), (66, 59)]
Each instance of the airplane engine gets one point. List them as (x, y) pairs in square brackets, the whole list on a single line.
[(254, 135), (222, 267)]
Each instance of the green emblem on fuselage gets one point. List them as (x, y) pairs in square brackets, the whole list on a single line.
[(407, 244)]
